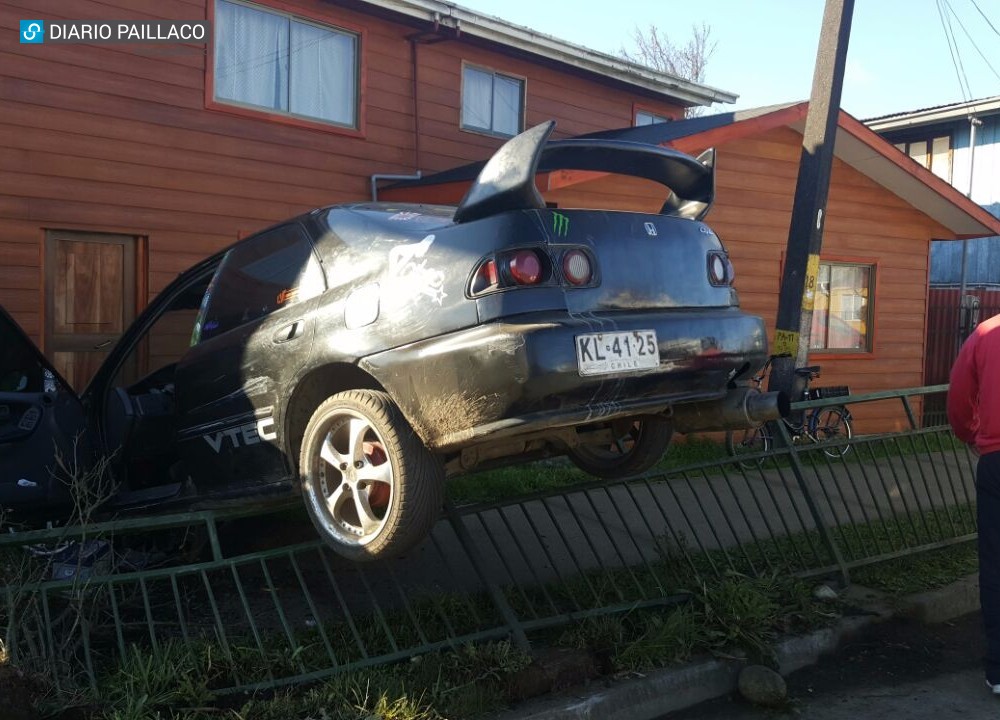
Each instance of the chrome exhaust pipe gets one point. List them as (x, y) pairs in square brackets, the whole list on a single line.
[(740, 408)]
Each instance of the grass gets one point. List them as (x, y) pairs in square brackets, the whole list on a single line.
[(172, 682), (492, 486), (732, 615), (927, 571)]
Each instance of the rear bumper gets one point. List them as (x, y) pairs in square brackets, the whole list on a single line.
[(520, 376)]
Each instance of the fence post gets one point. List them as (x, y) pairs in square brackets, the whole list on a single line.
[(824, 531), (909, 411), (499, 599)]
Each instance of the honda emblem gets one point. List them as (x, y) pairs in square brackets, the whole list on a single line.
[(651, 229)]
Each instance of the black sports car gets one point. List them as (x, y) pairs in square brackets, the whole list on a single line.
[(361, 353)]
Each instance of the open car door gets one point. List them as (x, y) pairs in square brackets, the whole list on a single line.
[(43, 438)]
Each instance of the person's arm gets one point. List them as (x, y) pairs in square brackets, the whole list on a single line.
[(963, 393)]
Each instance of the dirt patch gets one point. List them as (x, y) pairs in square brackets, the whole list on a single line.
[(19, 694)]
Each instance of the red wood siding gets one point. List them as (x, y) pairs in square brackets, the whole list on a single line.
[(118, 139)]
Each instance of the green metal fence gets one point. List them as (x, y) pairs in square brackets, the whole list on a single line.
[(249, 619)]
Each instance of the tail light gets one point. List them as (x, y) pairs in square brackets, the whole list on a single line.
[(525, 267), (535, 266), (576, 267), (486, 277)]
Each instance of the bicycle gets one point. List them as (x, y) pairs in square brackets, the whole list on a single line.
[(819, 425)]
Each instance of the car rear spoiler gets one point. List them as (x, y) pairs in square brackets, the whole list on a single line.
[(507, 181)]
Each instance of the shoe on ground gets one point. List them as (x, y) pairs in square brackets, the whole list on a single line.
[(995, 689)]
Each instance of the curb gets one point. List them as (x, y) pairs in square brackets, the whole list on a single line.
[(674, 689), (944, 604)]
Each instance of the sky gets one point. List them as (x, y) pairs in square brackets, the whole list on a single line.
[(898, 57)]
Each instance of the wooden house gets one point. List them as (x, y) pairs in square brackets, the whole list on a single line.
[(123, 164)]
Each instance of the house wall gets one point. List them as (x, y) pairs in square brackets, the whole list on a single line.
[(755, 185), (986, 166), (118, 138)]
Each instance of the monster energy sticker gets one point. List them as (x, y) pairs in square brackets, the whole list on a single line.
[(560, 224)]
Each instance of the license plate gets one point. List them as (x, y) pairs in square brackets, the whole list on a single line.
[(617, 352)]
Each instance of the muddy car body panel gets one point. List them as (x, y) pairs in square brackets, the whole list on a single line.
[(495, 328)]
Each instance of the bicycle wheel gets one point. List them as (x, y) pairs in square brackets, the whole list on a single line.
[(833, 424), (749, 442)]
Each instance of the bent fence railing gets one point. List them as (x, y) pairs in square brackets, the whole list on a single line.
[(247, 618)]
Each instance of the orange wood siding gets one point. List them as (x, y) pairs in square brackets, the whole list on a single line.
[(118, 139), (865, 222)]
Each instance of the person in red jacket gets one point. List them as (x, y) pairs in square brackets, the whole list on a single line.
[(974, 414)]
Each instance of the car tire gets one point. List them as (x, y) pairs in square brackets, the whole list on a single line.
[(634, 452), (371, 487)]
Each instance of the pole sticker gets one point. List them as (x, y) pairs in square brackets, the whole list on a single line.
[(786, 342), (809, 288)]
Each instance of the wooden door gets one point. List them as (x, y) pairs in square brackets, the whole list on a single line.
[(90, 299)]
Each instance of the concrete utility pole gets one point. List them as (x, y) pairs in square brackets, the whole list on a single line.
[(805, 235)]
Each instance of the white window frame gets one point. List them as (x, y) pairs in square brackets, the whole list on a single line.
[(927, 157), (355, 108), (654, 118), (522, 81)]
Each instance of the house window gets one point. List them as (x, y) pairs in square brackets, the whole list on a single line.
[(644, 117), (842, 314), (282, 64), (492, 102), (934, 154)]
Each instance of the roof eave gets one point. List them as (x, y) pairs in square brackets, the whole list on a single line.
[(499, 31), (934, 116), (971, 221)]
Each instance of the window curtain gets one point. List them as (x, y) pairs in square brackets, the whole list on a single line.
[(840, 313), (323, 78), (477, 98), (251, 56), (506, 105)]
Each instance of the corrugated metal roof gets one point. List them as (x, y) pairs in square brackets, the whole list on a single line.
[(957, 107)]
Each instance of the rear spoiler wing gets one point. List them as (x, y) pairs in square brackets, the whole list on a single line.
[(507, 181)]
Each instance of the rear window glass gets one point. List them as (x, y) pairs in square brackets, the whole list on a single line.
[(257, 277)]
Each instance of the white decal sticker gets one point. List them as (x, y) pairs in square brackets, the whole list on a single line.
[(404, 215), (243, 435), (410, 275)]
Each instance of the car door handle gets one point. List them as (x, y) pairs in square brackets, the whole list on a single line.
[(290, 332)]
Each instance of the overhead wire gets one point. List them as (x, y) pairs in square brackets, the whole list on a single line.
[(956, 58), (988, 21), (971, 41)]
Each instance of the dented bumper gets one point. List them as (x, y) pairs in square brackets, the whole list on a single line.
[(521, 375)]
